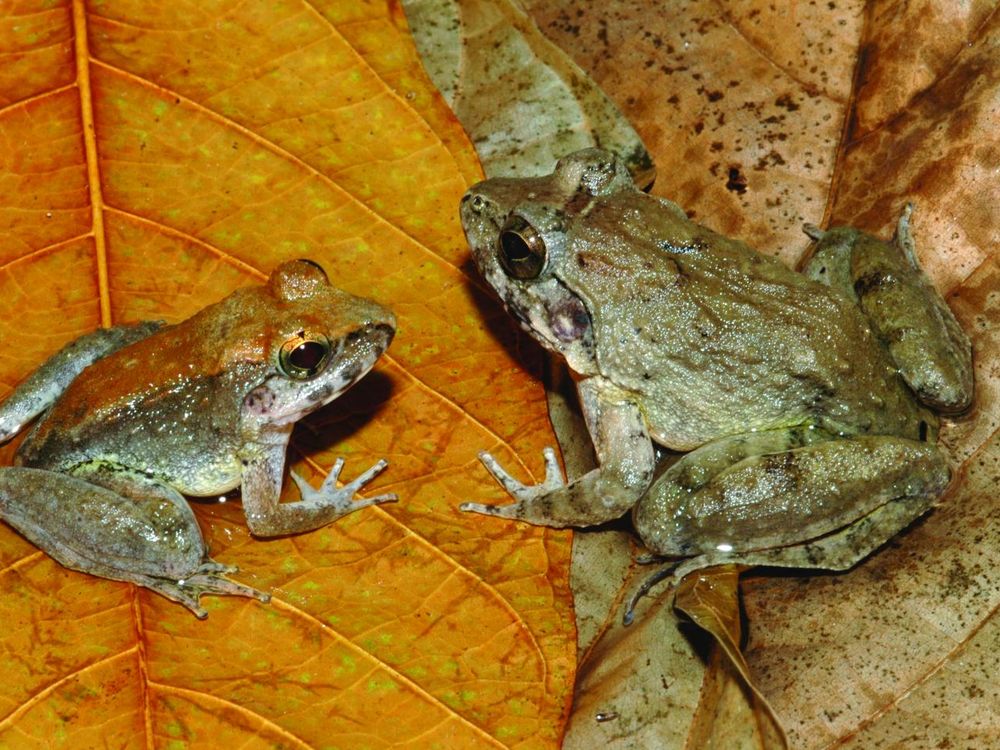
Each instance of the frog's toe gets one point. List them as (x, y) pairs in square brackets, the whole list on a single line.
[(211, 566), (813, 231), (500, 474), (213, 583), (360, 481), (500, 511), (553, 471), (388, 497), (175, 592), (207, 579), (553, 478), (342, 498), (669, 570)]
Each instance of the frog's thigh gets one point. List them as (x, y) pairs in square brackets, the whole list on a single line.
[(925, 341), (837, 551), (100, 530), (782, 499), (138, 530), (927, 344)]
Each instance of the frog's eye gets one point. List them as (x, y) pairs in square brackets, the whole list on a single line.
[(521, 249), (303, 355)]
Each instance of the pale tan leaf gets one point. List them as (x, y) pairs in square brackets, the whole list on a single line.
[(522, 100)]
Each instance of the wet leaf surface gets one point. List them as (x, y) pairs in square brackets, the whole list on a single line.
[(157, 156)]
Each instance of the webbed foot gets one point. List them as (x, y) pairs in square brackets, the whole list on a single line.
[(209, 578)]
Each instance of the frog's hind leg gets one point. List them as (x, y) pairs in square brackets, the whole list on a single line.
[(792, 498), (145, 533), (927, 344), (840, 550)]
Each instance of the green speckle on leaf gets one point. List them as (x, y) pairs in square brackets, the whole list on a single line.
[(381, 685)]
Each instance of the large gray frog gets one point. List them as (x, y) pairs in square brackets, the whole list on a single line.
[(806, 401), (133, 417)]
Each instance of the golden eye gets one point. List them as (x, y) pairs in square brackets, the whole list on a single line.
[(521, 249), (304, 355)]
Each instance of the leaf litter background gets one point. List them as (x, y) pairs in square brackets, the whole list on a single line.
[(760, 117), (153, 157)]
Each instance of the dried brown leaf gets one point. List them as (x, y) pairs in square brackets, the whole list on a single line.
[(522, 100), (760, 117)]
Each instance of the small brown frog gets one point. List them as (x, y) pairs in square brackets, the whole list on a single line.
[(134, 417)]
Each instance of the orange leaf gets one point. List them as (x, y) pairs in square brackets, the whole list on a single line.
[(156, 156)]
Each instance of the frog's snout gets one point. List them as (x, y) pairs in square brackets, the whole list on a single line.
[(379, 321), (381, 334)]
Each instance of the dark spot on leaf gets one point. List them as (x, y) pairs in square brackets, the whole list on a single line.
[(736, 183)]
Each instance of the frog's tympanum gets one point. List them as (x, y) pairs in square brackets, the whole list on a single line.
[(134, 417), (805, 402)]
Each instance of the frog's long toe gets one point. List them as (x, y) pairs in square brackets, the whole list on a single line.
[(500, 511), (553, 478), (207, 579), (669, 570)]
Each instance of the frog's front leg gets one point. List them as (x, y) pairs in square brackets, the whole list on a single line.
[(626, 462), (39, 391), (261, 490), (136, 530), (793, 498)]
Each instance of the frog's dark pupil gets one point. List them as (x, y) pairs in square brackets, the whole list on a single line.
[(307, 356), (515, 247), (522, 251)]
